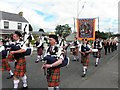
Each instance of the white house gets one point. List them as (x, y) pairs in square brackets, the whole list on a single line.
[(10, 22)]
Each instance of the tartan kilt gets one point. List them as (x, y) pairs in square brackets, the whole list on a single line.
[(20, 68), (53, 77), (39, 51), (85, 60), (10, 57), (5, 65)]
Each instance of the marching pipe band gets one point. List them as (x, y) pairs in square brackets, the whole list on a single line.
[(55, 57)]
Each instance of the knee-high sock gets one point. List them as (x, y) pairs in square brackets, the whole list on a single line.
[(41, 56), (16, 82), (11, 73), (38, 58), (50, 88), (97, 60), (24, 80), (57, 88), (84, 69)]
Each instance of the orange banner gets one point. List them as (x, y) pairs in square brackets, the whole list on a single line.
[(86, 28)]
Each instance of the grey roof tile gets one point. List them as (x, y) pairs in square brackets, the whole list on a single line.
[(11, 17)]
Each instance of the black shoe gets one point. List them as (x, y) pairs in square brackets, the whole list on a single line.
[(25, 87), (96, 65), (78, 59), (11, 76), (83, 75), (74, 60)]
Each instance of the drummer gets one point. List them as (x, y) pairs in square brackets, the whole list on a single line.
[(97, 45), (76, 45)]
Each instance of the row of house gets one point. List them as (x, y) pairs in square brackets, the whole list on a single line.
[(10, 22)]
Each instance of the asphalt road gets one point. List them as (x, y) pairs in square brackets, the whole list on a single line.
[(103, 76)]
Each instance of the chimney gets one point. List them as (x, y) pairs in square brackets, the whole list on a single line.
[(20, 14)]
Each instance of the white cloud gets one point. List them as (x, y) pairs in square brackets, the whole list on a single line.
[(64, 11)]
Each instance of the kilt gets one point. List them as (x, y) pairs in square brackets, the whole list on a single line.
[(85, 60), (10, 57), (20, 68), (39, 51), (53, 77), (5, 65)]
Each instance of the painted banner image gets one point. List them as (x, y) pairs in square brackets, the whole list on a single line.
[(86, 28)]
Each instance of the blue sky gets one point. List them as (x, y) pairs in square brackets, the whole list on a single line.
[(47, 17), (47, 14)]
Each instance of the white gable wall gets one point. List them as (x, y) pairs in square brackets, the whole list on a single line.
[(13, 25)]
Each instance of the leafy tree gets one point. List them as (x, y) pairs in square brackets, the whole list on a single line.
[(63, 30), (102, 35)]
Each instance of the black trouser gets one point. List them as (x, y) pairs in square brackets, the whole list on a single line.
[(105, 47), (112, 48), (109, 49)]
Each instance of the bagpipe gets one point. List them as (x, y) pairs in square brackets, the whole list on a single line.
[(17, 46), (85, 49), (51, 59), (3, 52)]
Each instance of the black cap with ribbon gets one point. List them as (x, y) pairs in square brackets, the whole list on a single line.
[(54, 37)]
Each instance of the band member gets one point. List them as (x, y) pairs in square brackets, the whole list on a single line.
[(76, 44), (39, 44), (108, 45), (5, 64), (105, 43), (116, 44), (97, 45), (53, 72), (112, 45), (85, 50), (20, 68)]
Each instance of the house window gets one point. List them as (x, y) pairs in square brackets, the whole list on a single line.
[(6, 24), (19, 26)]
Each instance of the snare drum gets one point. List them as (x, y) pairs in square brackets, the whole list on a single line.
[(72, 49), (94, 50)]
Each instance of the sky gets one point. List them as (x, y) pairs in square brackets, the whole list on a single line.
[(47, 14)]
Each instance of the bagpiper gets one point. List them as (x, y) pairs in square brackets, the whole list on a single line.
[(20, 68), (53, 70), (85, 50), (5, 64)]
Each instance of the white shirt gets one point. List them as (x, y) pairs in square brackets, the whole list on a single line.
[(59, 53), (2, 48), (22, 43)]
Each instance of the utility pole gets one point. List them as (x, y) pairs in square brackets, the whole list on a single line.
[(98, 23)]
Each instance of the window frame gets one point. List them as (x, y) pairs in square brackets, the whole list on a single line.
[(19, 26), (6, 25)]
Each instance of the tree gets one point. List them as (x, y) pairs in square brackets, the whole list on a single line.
[(63, 30), (102, 35)]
